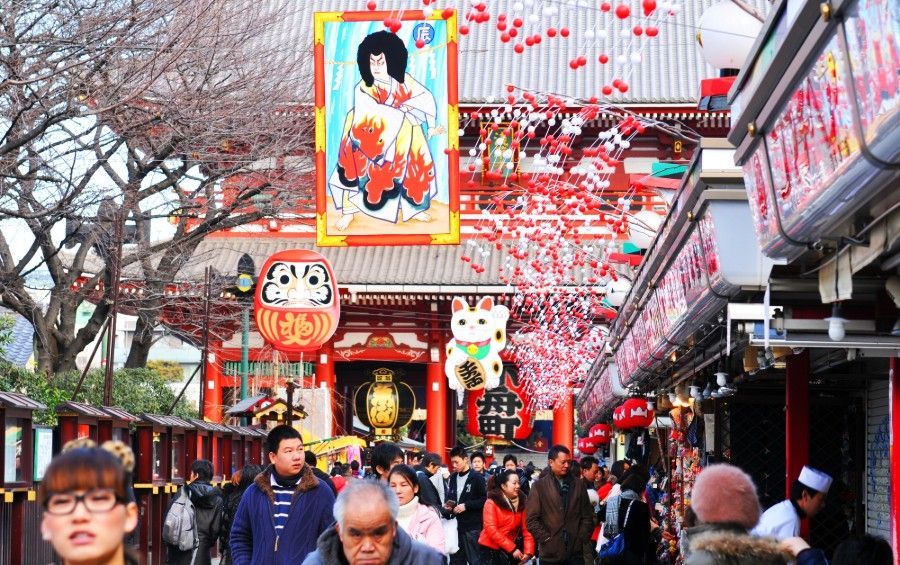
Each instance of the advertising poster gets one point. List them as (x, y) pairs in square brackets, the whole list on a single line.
[(387, 161)]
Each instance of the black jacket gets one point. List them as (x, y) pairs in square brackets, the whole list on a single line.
[(639, 549), (325, 478), (207, 502), (474, 495)]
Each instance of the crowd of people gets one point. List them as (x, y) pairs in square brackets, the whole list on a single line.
[(291, 512)]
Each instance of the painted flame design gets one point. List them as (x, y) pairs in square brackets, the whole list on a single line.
[(367, 134), (419, 174)]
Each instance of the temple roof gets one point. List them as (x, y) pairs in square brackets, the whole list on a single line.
[(669, 72)]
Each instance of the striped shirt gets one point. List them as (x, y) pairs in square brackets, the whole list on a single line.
[(282, 505)]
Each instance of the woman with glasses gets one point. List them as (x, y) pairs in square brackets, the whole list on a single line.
[(87, 511)]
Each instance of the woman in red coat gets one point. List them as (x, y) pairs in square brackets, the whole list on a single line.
[(504, 539)]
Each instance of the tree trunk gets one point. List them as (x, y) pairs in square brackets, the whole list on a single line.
[(141, 341)]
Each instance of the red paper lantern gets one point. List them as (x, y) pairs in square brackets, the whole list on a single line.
[(586, 446), (633, 413), (296, 303), (600, 434), (503, 412)]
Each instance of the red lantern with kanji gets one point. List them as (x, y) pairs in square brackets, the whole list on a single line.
[(600, 434), (296, 303), (633, 413), (586, 446), (502, 412)]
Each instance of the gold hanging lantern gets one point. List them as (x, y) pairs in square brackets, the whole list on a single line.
[(383, 405)]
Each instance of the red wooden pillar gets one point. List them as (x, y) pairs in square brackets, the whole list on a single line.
[(564, 422), (894, 470), (436, 405), (325, 377), (212, 408), (796, 420)]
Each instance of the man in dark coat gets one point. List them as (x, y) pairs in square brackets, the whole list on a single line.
[(207, 501), (366, 531), (428, 493), (285, 510), (466, 495), (311, 460), (558, 513)]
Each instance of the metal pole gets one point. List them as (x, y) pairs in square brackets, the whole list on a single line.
[(101, 335), (205, 354), (184, 388), (245, 350), (290, 401), (117, 272)]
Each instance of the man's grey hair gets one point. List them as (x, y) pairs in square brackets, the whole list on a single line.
[(357, 491)]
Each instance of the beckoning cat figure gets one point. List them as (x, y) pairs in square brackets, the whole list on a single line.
[(479, 334)]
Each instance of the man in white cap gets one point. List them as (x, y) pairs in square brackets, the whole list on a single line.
[(807, 499)]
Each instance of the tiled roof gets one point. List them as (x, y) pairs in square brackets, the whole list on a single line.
[(81, 409), (119, 414), (19, 400), (391, 265), (669, 73), (246, 405), (21, 346)]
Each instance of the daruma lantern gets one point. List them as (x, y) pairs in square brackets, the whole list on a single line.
[(586, 446), (297, 304), (633, 413), (600, 434)]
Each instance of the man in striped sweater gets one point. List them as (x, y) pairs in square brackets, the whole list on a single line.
[(282, 514)]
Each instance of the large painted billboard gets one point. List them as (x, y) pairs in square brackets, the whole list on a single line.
[(387, 160)]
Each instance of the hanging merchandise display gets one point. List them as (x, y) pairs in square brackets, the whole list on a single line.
[(684, 454), (296, 304), (479, 335), (503, 412)]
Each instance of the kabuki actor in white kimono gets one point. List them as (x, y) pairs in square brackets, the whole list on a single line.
[(808, 493), (385, 168)]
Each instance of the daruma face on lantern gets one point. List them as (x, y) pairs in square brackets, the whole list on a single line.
[(297, 304)]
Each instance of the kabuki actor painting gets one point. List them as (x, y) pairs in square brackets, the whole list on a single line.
[(387, 164)]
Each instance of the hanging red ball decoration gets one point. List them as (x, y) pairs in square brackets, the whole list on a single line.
[(586, 446), (633, 413), (623, 11), (371, 6), (652, 31), (649, 6), (564, 32), (606, 6), (600, 434)]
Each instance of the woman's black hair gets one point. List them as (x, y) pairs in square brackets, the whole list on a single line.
[(248, 475), (501, 478), (407, 473), (395, 55)]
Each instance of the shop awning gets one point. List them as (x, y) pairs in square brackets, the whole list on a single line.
[(329, 445)]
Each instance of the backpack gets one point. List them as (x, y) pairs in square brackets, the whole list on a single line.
[(180, 526)]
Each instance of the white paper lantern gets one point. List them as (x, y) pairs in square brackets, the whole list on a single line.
[(643, 227), (726, 34), (616, 291)]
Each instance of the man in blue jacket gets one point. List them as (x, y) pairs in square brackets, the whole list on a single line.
[(283, 512)]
